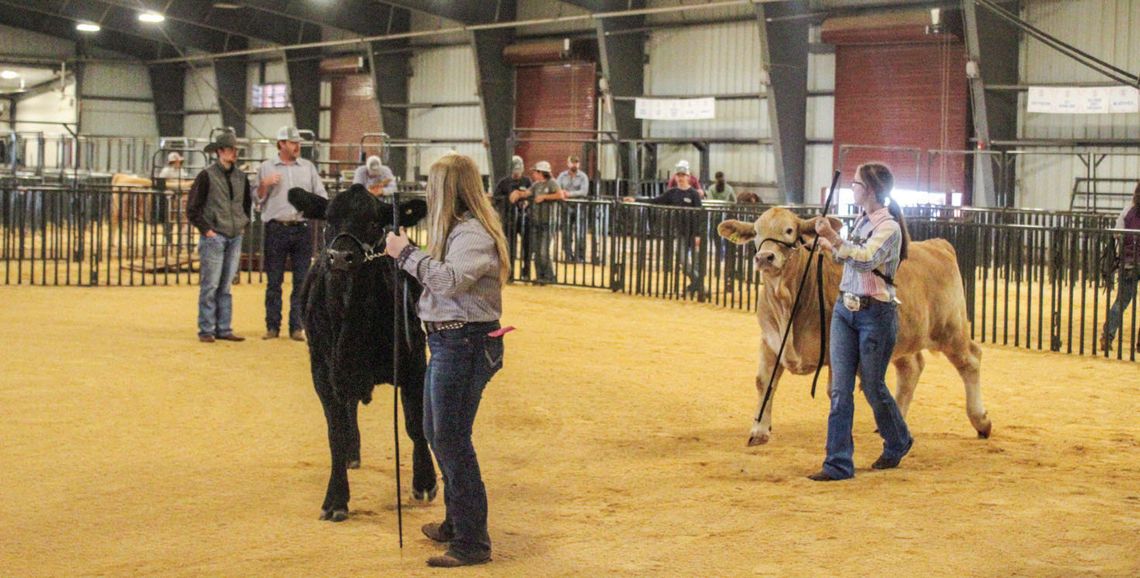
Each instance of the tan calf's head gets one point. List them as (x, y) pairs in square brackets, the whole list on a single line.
[(776, 233)]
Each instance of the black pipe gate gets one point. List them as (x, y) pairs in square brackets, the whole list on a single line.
[(1033, 279)]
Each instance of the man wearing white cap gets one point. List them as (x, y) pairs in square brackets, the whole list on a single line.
[(174, 174), (287, 233), (375, 177), (693, 181), (544, 193)]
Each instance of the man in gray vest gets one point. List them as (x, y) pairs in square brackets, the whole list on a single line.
[(219, 206)]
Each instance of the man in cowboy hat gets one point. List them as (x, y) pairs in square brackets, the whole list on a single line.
[(544, 193), (219, 206), (287, 233)]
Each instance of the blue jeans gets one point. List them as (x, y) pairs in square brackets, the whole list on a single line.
[(540, 234), (296, 243), (462, 362), (220, 256), (862, 343), (1125, 294)]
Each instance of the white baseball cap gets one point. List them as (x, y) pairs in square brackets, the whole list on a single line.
[(289, 133), (374, 164), (542, 166), (682, 168), (173, 158)]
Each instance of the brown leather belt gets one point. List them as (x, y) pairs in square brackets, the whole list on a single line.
[(434, 326)]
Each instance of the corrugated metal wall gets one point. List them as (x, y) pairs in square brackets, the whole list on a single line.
[(99, 116), (201, 98), (1107, 30), (707, 60), (445, 75), (818, 158)]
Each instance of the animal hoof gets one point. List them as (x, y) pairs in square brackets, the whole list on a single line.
[(758, 440), (354, 464), (337, 515)]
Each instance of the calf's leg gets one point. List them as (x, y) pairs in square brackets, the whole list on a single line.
[(967, 360), (908, 368), (762, 428)]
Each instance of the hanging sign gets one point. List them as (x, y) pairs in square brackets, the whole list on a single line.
[(1083, 100), (675, 108)]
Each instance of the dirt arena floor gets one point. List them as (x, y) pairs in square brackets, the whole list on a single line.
[(613, 443)]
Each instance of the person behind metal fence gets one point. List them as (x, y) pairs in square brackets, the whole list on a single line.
[(693, 180), (511, 204), (1129, 274), (287, 233), (543, 197), (576, 185), (864, 322), (688, 225), (219, 207), (721, 190), (462, 272), (375, 177)]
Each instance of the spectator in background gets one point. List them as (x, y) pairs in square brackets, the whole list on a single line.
[(747, 197), (687, 224), (174, 174), (1129, 263), (576, 185), (219, 207), (720, 190), (693, 181), (511, 203), (375, 177), (287, 233), (542, 197)]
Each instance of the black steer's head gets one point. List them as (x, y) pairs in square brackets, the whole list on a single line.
[(358, 224)]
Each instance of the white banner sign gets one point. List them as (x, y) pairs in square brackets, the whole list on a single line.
[(1083, 100), (675, 108)]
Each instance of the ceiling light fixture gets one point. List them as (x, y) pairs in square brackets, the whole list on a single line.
[(87, 27), (221, 5), (9, 75), (151, 17)]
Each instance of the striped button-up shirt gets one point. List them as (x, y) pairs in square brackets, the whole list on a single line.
[(464, 286), (874, 243), (300, 173)]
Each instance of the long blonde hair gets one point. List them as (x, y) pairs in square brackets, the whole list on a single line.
[(453, 188)]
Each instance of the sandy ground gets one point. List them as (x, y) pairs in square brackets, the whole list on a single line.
[(613, 443)]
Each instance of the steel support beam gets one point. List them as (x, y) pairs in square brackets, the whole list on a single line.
[(784, 55), (992, 47), (231, 76), (304, 69), (168, 85), (390, 73), (496, 81), (623, 75)]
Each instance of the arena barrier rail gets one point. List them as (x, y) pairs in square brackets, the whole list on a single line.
[(1033, 279)]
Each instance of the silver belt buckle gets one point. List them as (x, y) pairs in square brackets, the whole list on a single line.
[(852, 302)]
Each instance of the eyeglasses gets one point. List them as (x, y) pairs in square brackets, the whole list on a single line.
[(860, 183)]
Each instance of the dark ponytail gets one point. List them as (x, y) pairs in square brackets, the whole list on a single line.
[(878, 178), (896, 212)]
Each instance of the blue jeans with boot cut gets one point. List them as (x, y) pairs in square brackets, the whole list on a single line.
[(219, 257), (862, 343), (462, 362), (281, 241)]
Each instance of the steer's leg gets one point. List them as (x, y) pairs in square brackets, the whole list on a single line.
[(335, 506), (762, 427), (353, 436), (908, 368), (967, 360)]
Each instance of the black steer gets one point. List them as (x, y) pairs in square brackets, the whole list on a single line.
[(349, 313)]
